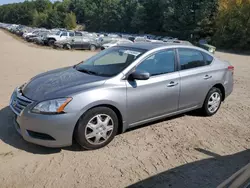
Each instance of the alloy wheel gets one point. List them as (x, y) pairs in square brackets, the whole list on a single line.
[(99, 129), (214, 102)]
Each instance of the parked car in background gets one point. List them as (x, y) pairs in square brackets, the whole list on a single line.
[(119, 88), (141, 39), (116, 43), (203, 44), (106, 39), (60, 35), (166, 39), (179, 42), (33, 37), (78, 42), (42, 39), (31, 33)]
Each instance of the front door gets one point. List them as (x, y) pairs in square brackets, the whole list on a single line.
[(159, 94)]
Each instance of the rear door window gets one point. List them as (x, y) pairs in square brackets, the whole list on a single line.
[(190, 58), (208, 58)]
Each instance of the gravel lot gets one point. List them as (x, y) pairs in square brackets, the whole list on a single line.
[(184, 151)]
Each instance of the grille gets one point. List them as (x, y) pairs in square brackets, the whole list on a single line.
[(19, 102)]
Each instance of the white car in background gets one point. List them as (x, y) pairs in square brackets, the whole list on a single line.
[(27, 34), (115, 43)]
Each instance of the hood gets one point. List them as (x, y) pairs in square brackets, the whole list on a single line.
[(59, 83), (50, 36)]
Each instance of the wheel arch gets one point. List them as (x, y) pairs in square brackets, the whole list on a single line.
[(222, 89), (51, 38), (112, 107)]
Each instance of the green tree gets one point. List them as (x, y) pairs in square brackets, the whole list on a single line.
[(233, 25), (70, 21), (42, 5), (40, 19), (53, 20), (138, 21)]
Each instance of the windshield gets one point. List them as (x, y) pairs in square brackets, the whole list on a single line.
[(58, 33), (110, 62)]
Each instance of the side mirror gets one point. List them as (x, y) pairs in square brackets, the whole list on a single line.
[(139, 75)]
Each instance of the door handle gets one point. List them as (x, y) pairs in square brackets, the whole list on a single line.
[(172, 84), (207, 77)]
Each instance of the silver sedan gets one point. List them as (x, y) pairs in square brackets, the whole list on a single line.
[(119, 88)]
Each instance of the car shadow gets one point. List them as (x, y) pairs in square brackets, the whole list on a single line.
[(195, 113), (9, 135), (206, 173)]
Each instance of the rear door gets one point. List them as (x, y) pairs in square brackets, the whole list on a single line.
[(77, 42), (196, 78), (85, 42)]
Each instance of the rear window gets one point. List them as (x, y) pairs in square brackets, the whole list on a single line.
[(208, 58)]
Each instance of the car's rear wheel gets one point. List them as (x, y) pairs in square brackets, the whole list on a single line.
[(92, 47), (67, 47), (96, 128), (212, 102)]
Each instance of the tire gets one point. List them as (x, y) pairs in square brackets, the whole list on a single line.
[(90, 134), (67, 47), (51, 42), (92, 47), (207, 108)]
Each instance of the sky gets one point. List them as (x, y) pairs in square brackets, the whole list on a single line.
[(12, 1)]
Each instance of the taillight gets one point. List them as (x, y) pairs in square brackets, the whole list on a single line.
[(231, 68)]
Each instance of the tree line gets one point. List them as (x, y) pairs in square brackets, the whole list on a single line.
[(223, 22)]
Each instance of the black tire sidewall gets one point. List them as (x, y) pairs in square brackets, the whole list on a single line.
[(51, 42), (67, 46), (205, 105), (83, 121), (92, 47)]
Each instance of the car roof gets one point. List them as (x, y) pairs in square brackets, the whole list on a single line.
[(153, 45)]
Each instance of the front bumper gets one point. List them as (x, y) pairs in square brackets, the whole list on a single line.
[(45, 130)]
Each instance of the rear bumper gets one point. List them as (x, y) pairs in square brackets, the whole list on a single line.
[(229, 84), (46, 130)]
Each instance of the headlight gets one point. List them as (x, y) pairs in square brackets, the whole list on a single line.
[(211, 50), (52, 106)]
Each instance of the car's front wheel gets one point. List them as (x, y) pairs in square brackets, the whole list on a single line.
[(96, 128), (212, 102), (51, 42)]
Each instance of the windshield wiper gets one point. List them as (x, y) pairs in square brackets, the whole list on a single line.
[(87, 71)]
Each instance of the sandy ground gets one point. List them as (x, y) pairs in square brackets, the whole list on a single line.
[(184, 151)]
